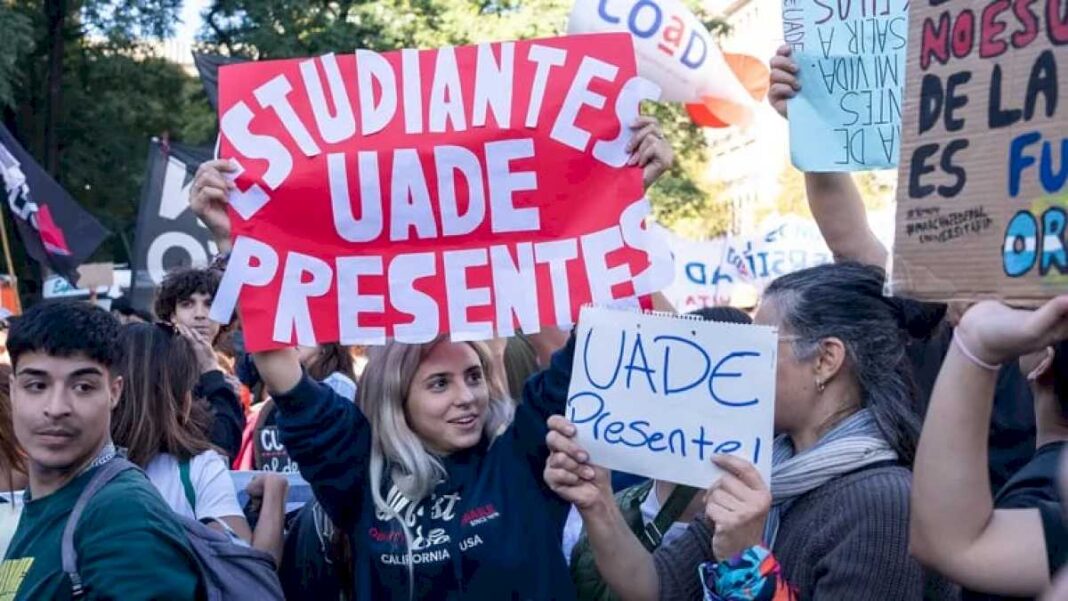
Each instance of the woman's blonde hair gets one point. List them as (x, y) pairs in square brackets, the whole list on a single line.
[(395, 448)]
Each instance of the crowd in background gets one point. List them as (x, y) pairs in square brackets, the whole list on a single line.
[(919, 451)]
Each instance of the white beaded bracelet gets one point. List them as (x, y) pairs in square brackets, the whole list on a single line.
[(971, 356)]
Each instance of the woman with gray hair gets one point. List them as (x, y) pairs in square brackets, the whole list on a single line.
[(834, 523)]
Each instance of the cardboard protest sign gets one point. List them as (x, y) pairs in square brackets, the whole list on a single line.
[(466, 190), (57, 286), (851, 56), (96, 275), (981, 193), (658, 395)]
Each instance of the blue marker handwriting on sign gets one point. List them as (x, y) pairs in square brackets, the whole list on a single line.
[(771, 262), (686, 352), (706, 275), (658, 395), (589, 408), (851, 56)]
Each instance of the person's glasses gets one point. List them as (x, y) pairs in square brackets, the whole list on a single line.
[(789, 338)]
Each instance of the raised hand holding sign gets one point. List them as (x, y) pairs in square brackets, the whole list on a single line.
[(660, 395), (463, 200)]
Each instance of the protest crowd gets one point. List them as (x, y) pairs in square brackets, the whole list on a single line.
[(915, 449)]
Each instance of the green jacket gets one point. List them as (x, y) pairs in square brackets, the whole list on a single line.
[(588, 582), (130, 546)]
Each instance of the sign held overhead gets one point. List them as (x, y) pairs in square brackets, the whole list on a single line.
[(981, 193), (468, 191)]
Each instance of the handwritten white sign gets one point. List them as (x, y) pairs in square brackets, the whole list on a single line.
[(658, 395)]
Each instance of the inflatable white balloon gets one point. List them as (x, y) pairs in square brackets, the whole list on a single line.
[(673, 49)]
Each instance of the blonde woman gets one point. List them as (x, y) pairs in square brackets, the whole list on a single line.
[(436, 474)]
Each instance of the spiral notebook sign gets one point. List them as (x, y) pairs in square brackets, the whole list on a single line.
[(658, 395)]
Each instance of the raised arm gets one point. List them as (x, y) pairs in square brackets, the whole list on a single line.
[(324, 432), (833, 197), (269, 492), (626, 567), (954, 527), (228, 421), (546, 391), (840, 214)]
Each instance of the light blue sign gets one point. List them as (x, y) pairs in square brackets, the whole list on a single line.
[(300, 491), (851, 56)]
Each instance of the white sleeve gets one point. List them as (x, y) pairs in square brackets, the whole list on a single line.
[(216, 495), (572, 533)]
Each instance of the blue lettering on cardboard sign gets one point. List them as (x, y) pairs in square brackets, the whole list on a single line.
[(1052, 177), (1031, 240), (1026, 244)]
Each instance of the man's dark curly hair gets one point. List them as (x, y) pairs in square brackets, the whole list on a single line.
[(183, 283), (65, 328)]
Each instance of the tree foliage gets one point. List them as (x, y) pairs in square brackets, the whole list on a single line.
[(116, 93), (126, 23), (115, 96), (16, 41), (876, 191), (287, 28)]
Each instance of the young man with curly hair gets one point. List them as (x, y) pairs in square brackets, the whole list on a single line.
[(184, 300)]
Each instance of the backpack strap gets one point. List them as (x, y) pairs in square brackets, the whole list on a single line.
[(104, 474), (187, 484), (669, 513)]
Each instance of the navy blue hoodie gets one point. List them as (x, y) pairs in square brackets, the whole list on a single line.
[(490, 531)]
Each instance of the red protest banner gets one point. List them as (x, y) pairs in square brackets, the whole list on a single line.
[(466, 190)]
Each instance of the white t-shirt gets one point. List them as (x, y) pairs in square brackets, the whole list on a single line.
[(216, 496), (10, 511), (651, 508)]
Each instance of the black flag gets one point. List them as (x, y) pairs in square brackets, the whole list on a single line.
[(208, 67), (55, 230), (169, 235)]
